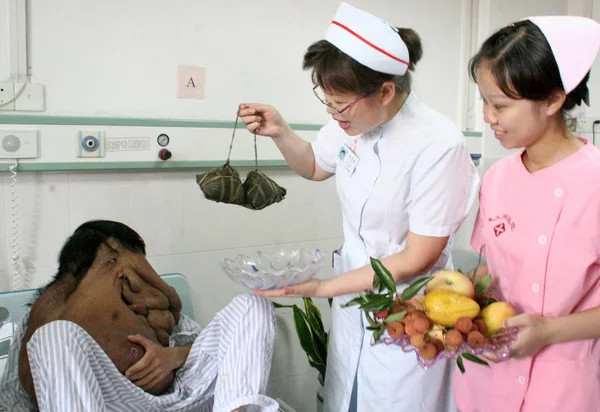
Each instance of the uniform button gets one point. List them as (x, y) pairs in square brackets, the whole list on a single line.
[(522, 380), (542, 239), (558, 192), (535, 287)]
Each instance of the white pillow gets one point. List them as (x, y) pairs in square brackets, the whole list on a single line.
[(7, 332)]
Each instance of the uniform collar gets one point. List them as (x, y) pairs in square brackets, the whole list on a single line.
[(406, 111)]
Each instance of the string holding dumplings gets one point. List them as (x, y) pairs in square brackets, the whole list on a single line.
[(223, 185)]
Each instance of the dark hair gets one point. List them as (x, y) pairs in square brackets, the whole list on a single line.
[(79, 251), (522, 63), (334, 70)]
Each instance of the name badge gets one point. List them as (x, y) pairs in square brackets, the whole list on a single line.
[(348, 158)]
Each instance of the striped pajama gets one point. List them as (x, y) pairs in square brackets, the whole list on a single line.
[(227, 367)]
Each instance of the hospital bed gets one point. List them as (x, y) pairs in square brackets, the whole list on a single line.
[(15, 303)]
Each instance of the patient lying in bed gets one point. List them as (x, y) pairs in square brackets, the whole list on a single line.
[(107, 334)]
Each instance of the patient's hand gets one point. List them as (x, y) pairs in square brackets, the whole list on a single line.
[(157, 364)]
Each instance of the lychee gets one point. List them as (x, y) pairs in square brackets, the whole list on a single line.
[(382, 314), (395, 330), (429, 352), (422, 325), (454, 338), (409, 328), (396, 309), (464, 324), (418, 340), (476, 339), (480, 325), (408, 318), (439, 345)]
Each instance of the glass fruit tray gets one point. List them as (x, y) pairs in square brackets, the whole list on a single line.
[(498, 347), (274, 269)]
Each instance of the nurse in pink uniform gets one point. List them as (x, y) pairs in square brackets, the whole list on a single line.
[(539, 220)]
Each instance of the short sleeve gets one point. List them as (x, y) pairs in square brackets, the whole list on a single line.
[(327, 145), (443, 188), (478, 238)]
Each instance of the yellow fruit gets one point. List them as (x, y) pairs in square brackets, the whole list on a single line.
[(494, 314), (446, 307)]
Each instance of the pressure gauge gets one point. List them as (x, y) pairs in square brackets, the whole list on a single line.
[(163, 140)]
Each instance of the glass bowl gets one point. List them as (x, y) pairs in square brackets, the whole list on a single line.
[(274, 269), (499, 346)]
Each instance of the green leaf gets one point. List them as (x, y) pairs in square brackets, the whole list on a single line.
[(304, 335), (484, 301), (377, 334), (330, 300), (475, 359), (356, 301), (376, 283), (377, 304), (374, 327), (279, 305), (395, 317), (414, 288), (314, 320), (460, 364), (371, 321), (482, 286), (384, 275), (318, 366)]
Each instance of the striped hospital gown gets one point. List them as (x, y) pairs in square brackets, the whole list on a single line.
[(227, 367)]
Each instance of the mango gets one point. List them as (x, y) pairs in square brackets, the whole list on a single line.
[(494, 314), (445, 307)]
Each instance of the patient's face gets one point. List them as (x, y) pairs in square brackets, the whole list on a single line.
[(115, 271)]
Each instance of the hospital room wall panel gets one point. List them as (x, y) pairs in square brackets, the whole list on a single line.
[(4, 254), (156, 211), (99, 196), (43, 219), (4, 277)]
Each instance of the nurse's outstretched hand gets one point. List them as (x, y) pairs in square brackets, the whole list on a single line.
[(263, 120), (311, 288)]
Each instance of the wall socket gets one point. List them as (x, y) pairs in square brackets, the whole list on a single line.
[(584, 125)]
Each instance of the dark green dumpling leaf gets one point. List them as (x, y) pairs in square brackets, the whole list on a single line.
[(261, 191), (222, 185)]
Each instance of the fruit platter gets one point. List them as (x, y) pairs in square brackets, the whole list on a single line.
[(449, 315)]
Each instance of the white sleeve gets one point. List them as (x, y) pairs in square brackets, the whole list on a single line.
[(327, 145), (443, 188)]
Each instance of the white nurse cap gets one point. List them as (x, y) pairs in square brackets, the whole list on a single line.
[(368, 40), (574, 42)]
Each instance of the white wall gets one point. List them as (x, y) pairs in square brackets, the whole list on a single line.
[(119, 58)]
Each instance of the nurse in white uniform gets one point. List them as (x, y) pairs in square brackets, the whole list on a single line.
[(406, 182)]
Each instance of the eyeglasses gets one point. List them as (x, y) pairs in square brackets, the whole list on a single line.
[(321, 97)]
